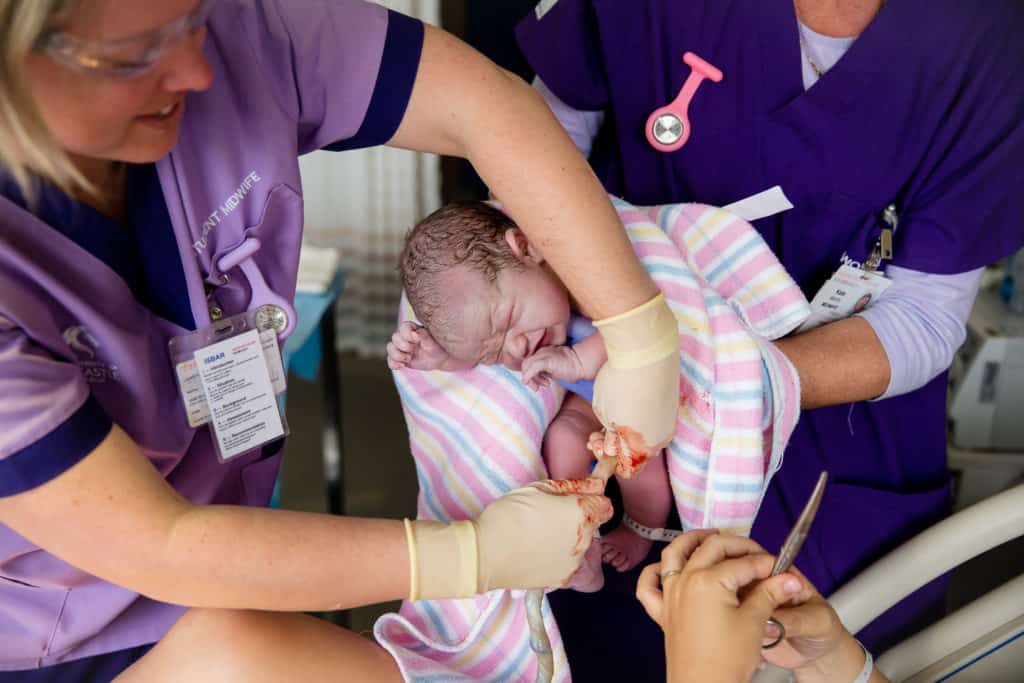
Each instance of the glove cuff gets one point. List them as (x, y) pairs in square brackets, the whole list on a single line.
[(641, 336), (443, 559)]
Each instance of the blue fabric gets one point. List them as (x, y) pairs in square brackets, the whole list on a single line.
[(83, 225), (395, 79), (99, 669), (144, 253), (56, 452), (160, 286), (302, 350)]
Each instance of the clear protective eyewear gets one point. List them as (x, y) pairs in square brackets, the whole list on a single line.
[(125, 57)]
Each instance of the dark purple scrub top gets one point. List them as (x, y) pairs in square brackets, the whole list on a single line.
[(924, 110)]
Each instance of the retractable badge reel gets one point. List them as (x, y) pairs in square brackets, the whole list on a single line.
[(668, 128), (851, 289), (230, 372)]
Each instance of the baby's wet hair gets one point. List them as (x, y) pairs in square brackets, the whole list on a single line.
[(462, 233)]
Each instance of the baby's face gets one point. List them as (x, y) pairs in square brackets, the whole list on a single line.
[(505, 323)]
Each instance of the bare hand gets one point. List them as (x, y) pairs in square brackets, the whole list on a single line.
[(412, 346), (551, 362), (713, 611)]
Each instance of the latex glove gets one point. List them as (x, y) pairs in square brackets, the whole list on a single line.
[(714, 606), (558, 362), (532, 537), (636, 393), (412, 346)]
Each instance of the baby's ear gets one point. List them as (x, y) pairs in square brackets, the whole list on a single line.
[(521, 246)]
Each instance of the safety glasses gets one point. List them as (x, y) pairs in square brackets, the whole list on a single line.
[(125, 57)]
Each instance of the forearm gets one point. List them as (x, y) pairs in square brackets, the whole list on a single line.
[(254, 558), (553, 195), (464, 105), (113, 516), (840, 362), (592, 354)]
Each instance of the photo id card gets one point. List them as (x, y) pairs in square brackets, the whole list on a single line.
[(192, 394), (849, 291), (243, 407), (230, 375)]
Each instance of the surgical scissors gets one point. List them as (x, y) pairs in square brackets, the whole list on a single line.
[(794, 542)]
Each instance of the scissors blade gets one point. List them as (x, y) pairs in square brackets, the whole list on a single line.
[(795, 540)]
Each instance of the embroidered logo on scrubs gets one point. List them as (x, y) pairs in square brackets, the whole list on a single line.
[(85, 348), (845, 260), (230, 203)]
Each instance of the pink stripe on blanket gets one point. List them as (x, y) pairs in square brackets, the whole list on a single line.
[(740, 511), (686, 476), (665, 250), (452, 506), (739, 418), (739, 464), (505, 459), (680, 295), (740, 370)]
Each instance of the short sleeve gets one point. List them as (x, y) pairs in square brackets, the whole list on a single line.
[(560, 40), (49, 420), (343, 68), (965, 208)]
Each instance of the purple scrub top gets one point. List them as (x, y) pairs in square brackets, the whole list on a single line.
[(925, 110), (80, 351)]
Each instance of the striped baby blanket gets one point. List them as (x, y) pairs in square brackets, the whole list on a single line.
[(477, 434)]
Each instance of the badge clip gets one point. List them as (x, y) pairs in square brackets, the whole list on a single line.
[(273, 311)]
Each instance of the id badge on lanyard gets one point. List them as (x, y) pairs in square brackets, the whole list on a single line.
[(230, 373), (850, 290)]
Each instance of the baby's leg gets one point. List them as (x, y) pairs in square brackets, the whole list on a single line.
[(647, 498), (565, 452), (565, 443)]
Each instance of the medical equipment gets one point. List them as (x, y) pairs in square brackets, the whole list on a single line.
[(794, 542), (668, 128), (987, 380)]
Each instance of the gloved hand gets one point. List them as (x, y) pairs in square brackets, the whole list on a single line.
[(532, 537), (636, 393)]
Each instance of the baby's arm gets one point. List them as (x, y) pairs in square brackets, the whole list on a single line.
[(565, 363), (412, 346), (592, 355)]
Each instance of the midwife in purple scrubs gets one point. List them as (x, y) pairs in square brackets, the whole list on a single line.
[(149, 185), (849, 106)]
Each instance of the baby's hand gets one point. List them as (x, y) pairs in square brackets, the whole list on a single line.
[(551, 362), (412, 346)]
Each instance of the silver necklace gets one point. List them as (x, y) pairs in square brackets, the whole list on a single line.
[(807, 52)]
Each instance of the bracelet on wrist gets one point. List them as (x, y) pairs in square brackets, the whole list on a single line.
[(869, 665)]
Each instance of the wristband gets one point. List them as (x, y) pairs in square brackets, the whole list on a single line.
[(869, 665)]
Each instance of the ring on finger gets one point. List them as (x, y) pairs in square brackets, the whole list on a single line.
[(670, 572), (780, 638)]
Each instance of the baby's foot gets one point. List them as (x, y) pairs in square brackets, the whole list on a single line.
[(589, 578), (624, 549)]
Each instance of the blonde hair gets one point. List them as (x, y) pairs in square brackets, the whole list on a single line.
[(27, 148)]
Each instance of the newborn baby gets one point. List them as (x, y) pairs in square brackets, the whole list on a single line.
[(484, 295)]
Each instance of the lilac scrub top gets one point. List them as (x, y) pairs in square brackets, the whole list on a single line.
[(924, 111), (87, 307)]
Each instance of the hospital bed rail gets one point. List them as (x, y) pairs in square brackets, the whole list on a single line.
[(951, 647)]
